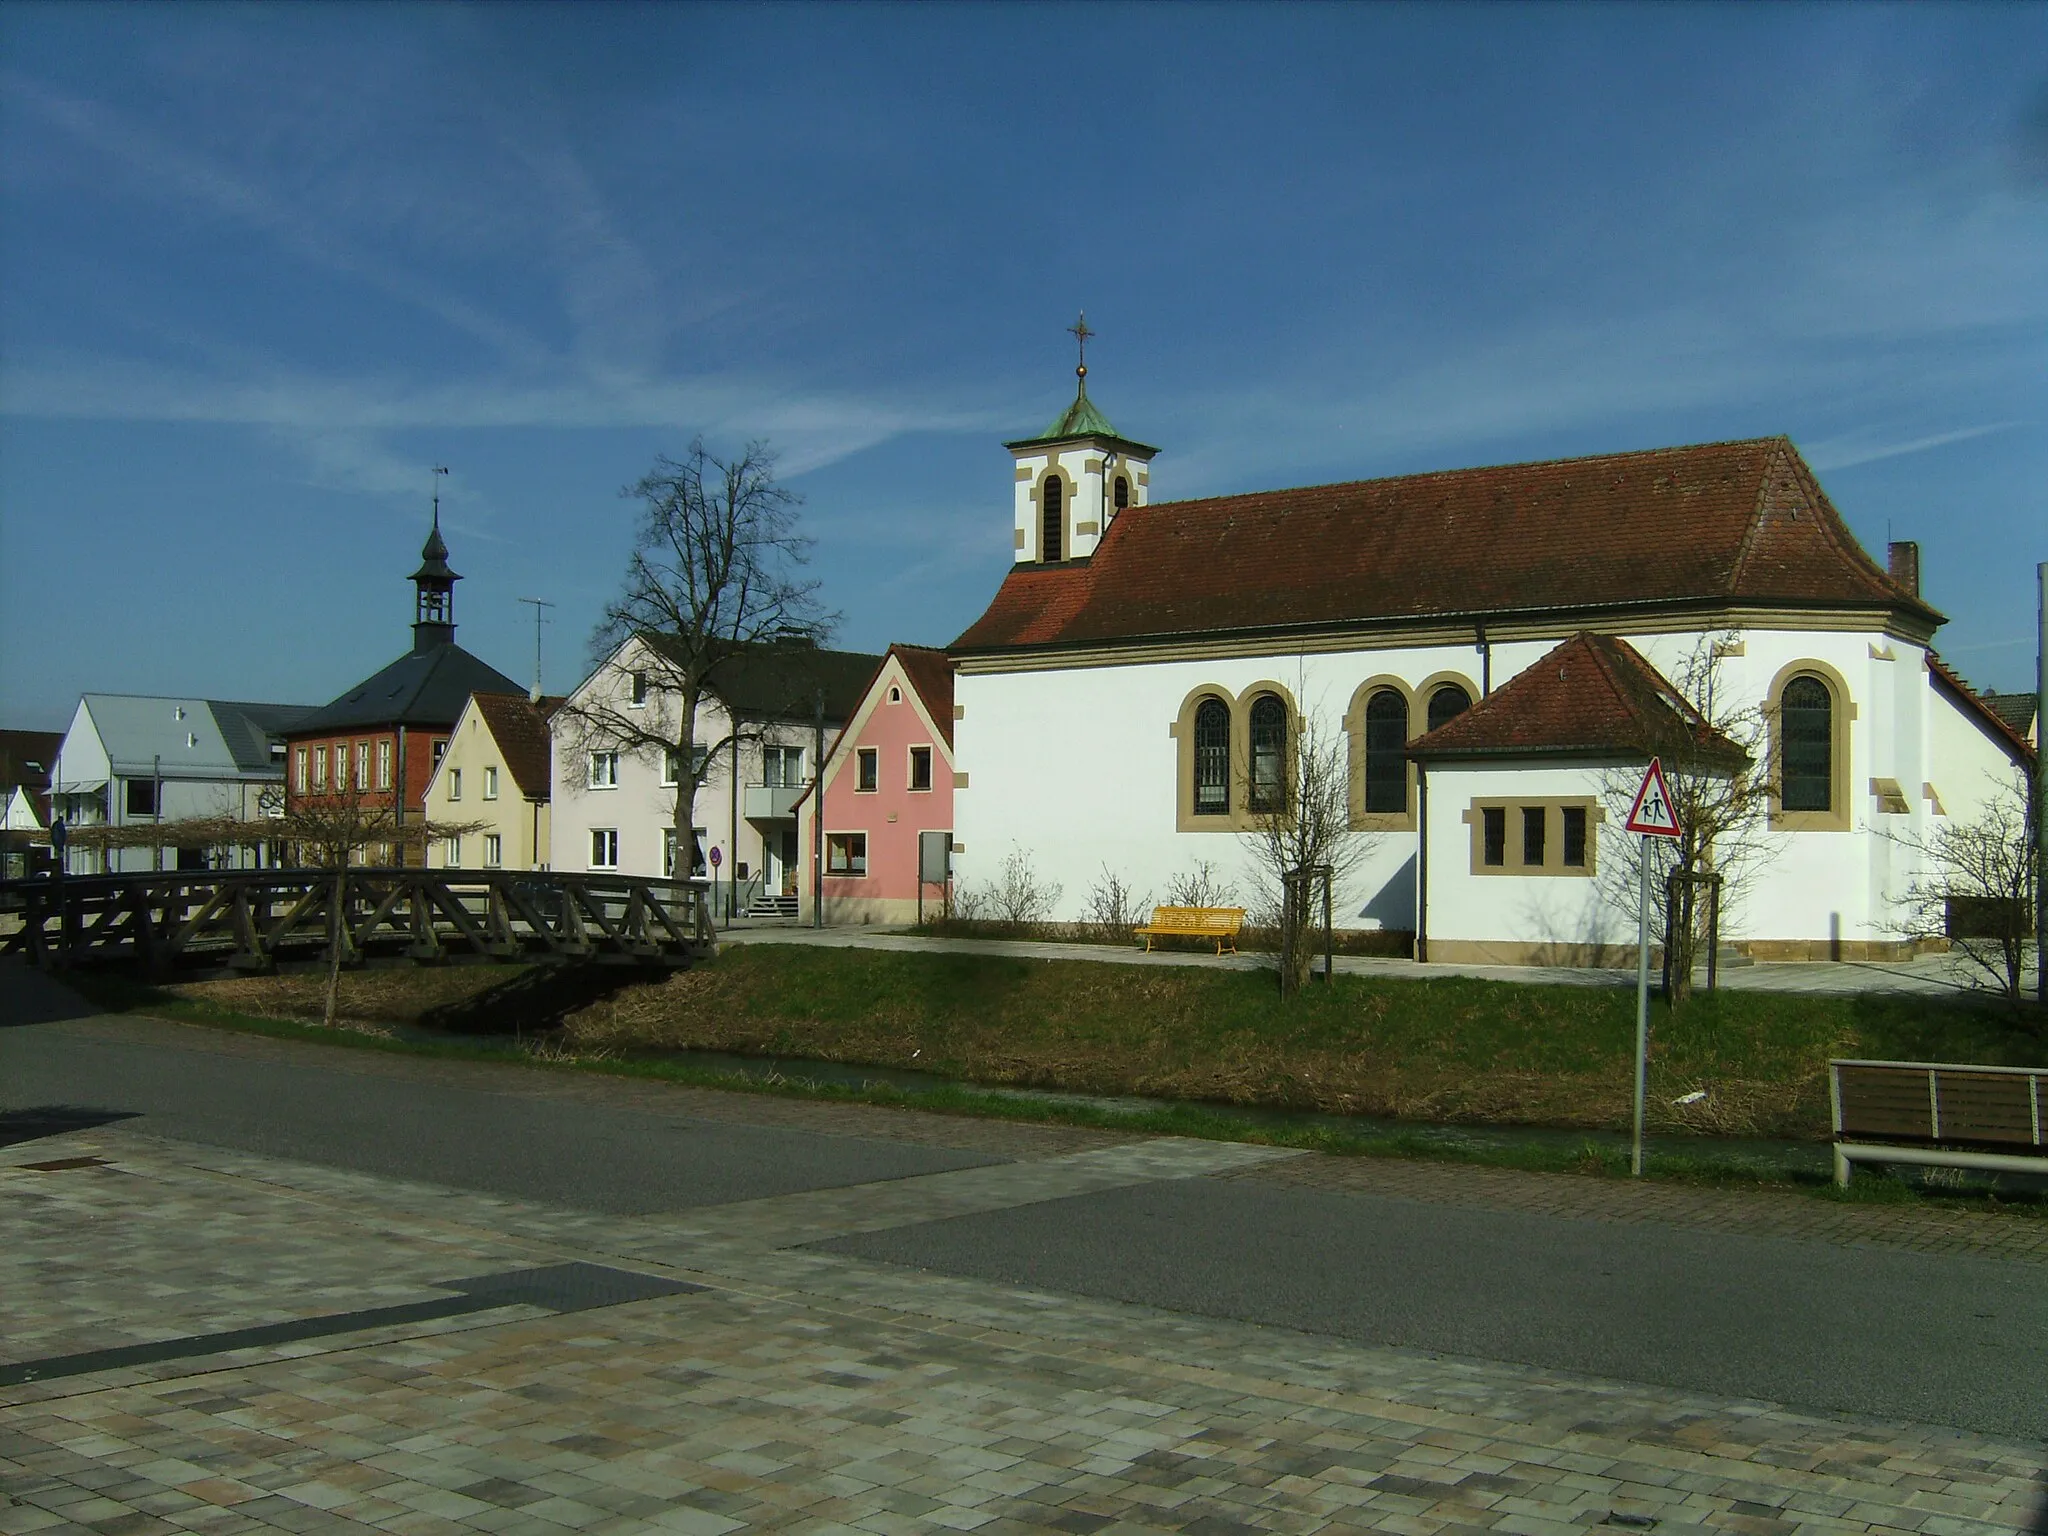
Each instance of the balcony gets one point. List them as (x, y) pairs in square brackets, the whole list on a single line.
[(770, 802)]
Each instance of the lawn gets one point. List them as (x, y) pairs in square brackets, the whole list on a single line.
[(1448, 1049)]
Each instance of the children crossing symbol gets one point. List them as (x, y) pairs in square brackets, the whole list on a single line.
[(1652, 815)]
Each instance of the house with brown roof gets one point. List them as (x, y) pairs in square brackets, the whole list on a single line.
[(1493, 647), (494, 773)]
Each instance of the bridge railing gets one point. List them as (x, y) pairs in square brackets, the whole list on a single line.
[(255, 919)]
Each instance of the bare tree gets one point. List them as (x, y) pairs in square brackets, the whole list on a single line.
[(1714, 752), (1200, 886), (713, 572), (1977, 886), (1306, 829), (1115, 907)]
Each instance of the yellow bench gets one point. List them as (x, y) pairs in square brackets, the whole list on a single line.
[(1218, 923)]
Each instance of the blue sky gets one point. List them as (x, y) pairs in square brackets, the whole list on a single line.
[(260, 267)]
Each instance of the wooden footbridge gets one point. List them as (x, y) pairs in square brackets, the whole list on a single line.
[(259, 920)]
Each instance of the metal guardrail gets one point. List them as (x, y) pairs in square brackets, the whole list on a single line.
[(251, 920)]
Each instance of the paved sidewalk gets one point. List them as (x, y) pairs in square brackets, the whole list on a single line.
[(1929, 975), (808, 1392)]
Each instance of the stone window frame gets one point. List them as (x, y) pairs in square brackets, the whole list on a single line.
[(1052, 471), (1363, 820), (867, 770), (931, 757), (1553, 808), (1418, 719), (1183, 732), (1840, 817)]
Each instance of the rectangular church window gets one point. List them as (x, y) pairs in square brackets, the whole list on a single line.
[(1534, 818), (1575, 837), (1494, 820)]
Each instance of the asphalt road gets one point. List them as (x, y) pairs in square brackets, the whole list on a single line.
[(1944, 1339)]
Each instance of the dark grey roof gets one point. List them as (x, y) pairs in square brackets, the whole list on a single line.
[(422, 688), (2015, 709), (781, 681), (250, 729)]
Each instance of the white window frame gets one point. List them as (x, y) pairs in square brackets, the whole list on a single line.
[(604, 848), (490, 781), (494, 850), (604, 768), (452, 852), (320, 770), (383, 765), (362, 766), (867, 770), (299, 760), (454, 784)]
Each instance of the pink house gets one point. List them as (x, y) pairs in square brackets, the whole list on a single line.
[(888, 778)]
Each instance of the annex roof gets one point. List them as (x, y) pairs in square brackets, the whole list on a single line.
[(426, 687), (520, 728), (1593, 696), (1714, 523)]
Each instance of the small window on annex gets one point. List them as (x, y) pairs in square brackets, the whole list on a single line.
[(920, 768), (1386, 762), (869, 771), (1447, 703), (1534, 820), (1212, 758), (846, 853), (1575, 837), (1807, 745), (1269, 754)]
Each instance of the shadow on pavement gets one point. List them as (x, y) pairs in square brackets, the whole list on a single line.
[(27, 996), (20, 1125)]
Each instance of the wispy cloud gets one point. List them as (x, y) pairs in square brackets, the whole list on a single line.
[(1869, 447)]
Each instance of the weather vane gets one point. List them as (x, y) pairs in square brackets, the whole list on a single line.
[(439, 471), (1080, 332)]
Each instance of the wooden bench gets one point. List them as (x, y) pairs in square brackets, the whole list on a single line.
[(1218, 923), (1939, 1115)]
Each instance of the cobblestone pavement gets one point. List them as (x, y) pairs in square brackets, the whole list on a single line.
[(1928, 975), (812, 1393)]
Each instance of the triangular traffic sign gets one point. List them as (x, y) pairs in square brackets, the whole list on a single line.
[(1652, 815)]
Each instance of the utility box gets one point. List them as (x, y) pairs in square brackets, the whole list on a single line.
[(934, 857)]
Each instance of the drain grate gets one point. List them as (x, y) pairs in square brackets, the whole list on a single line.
[(558, 1287)]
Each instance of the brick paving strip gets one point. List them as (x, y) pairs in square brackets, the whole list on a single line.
[(809, 1392)]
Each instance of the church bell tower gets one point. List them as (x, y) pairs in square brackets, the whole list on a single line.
[(1075, 477), (433, 607)]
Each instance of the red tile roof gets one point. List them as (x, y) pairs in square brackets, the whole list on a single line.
[(1742, 521), (520, 728), (931, 674), (1594, 695)]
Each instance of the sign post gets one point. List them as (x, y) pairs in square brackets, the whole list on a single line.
[(1650, 816)]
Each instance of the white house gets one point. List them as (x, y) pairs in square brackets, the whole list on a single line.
[(1126, 703), (614, 807), (130, 758)]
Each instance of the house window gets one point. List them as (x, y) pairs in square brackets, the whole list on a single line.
[(494, 850), (1807, 744), (846, 853), (491, 782), (142, 799), (1269, 754), (383, 765), (870, 770), (604, 847), (299, 770), (440, 748), (1554, 837), (604, 769), (454, 783), (672, 760), (1123, 493), (920, 767), (895, 694), (1447, 703), (453, 858), (639, 690), (1212, 758), (1054, 522), (362, 765), (1386, 762), (320, 769), (782, 767), (668, 852)]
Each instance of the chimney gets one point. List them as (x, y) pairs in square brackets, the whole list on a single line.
[(1903, 558)]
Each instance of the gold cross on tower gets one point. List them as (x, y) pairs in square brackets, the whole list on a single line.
[(1080, 332)]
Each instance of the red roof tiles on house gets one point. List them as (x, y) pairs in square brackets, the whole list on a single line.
[(520, 728), (1594, 695), (931, 674), (1726, 522)]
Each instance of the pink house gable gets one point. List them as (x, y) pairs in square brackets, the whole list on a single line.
[(905, 721)]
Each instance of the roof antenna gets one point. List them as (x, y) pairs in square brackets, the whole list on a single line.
[(539, 619)]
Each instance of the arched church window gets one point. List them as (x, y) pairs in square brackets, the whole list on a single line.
[(1447, 703), (1055, 519), (1386, 764), (1212, 758), (1269, 753), (1123, 493), (1807, 745)]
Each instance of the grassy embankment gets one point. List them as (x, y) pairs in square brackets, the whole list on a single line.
[(1446, 1049)]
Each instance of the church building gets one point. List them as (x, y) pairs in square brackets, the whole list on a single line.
[(1496, 649)]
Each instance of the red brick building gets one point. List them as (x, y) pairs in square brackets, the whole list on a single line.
[(380, 741)]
